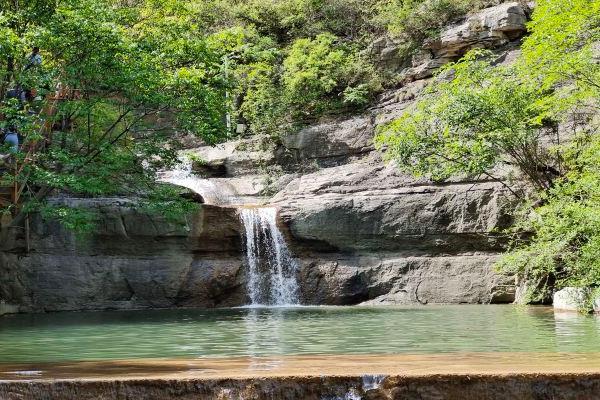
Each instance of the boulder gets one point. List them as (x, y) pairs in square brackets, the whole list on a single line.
[(368, 206), (385, 279), (570, 299), (490, 28), (235, 158), (385, 54)]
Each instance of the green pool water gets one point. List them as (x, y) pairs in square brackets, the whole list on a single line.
[(293, 331)]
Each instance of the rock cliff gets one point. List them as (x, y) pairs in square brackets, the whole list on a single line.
[(133, 260), (361, 230)]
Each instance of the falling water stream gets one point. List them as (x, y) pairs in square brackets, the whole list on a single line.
[(271, 269)]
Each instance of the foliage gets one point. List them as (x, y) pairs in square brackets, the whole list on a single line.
[(80, 220), (287, 20), (317, 74), (483, 115), (562, 54), (565, 248), (477, 115), (563, 47), (274, 86), (120, 72), (252, 63), (317, 60), (165, 201)]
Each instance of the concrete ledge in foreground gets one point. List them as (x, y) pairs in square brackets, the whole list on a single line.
[(399, 377)]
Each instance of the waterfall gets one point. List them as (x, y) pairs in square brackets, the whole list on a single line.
[(211, 192), (271, 269)]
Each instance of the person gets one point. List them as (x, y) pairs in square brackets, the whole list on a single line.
[(17, 93), (12, 138), (34, 59)]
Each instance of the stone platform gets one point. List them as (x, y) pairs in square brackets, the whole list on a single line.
[(402, 377)]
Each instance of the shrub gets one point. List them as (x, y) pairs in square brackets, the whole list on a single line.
[(321, 73), (468, 124), (565, 247)]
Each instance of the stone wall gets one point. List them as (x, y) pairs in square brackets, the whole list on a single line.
[(410, 387)]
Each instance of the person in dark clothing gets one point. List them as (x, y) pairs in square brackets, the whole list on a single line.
[(17, 93), (11, 137), (34, 59)]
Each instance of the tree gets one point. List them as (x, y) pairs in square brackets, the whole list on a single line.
[(473, 117), (564, 249), (319, 73), (562, 56), (117, 85)]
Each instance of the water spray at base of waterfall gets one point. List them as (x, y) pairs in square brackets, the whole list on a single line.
[(271, 269)]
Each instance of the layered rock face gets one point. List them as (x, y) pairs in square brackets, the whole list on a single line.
[(133, 260), (493, 28), (361, 230), (365, 232)]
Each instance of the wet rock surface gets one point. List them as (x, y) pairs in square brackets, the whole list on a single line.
[(388, 377)]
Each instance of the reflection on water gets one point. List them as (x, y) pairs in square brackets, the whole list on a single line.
[(257, 332), (263, 336), (571, 329)]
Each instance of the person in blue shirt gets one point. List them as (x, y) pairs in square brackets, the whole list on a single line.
[(17, 93), (34, 59), (11, 137)]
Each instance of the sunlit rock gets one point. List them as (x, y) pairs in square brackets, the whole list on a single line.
[(570, 299)]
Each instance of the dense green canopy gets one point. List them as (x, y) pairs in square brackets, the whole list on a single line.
[(118, 83)]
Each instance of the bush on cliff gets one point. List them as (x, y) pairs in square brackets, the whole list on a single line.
[(318, 75), (483, 116), (565, 248), (318, 61)]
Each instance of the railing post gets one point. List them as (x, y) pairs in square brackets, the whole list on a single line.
[(27, 233)]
